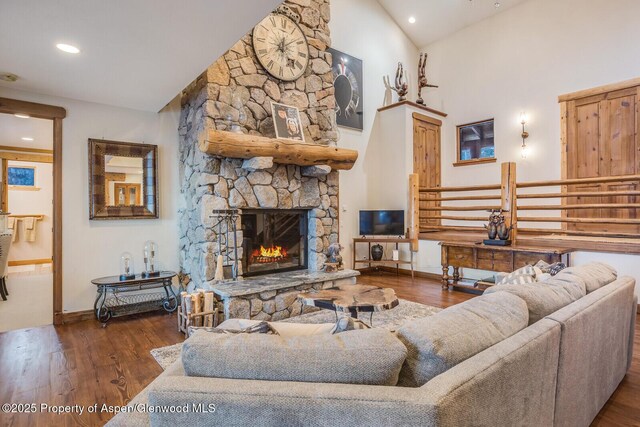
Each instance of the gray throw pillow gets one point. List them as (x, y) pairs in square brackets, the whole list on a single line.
[(348, 323), (258, 328), (372, 356), (439, 342)]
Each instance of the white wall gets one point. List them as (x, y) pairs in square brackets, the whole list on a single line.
[(362, 28), (521, 60), (92, 248), (30, 202)]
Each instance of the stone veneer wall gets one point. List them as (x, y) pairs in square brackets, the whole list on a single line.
[(237, 86)]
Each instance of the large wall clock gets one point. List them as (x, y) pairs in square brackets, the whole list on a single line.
[(281, 47)]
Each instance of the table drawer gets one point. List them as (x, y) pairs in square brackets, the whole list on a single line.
[(485, 254), (485, 264), (461, 257), (504, 266), (503, 256)]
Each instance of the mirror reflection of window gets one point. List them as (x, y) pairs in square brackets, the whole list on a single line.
[(123, 180)]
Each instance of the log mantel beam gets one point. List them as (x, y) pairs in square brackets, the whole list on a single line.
[(243, 146)]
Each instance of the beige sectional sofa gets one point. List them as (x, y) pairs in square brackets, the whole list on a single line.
[(558, 370)]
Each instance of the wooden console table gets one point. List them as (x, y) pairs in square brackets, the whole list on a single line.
[(493, 258), (382, 262)]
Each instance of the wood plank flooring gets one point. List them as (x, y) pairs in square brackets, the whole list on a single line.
[(84, 364)]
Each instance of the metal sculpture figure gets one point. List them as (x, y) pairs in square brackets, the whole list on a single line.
[(422, 77), (401, 87)]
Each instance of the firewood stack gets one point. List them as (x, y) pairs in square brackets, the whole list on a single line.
[(200, 309)]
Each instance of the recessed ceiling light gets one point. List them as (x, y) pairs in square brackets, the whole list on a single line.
[(412, 20), (496, 4), (67, 48), (27, 138), (22, 116)]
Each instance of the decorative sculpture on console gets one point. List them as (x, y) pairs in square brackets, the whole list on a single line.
[(422, 77), (497, 227), (492, 227), (401, 87)]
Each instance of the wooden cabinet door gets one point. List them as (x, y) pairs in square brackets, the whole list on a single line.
[(426, 161), (602, 141)]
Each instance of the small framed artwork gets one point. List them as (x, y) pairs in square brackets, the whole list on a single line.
[(21, 177), (347, 83), (286, 121), (475, 143)]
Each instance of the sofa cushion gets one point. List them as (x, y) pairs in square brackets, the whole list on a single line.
[(370, 356), (594, 274), (574, 285), (439, 342), (543, 298)]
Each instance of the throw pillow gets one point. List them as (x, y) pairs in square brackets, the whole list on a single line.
[(551, 269), (372, 357), (347, 323), (260, 327), (287, 330), (526, 274)]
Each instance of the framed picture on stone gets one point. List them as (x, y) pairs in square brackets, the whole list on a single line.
[(286, 121), (347, 83)]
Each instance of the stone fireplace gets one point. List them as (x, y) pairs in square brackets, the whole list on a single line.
[(236, 93)]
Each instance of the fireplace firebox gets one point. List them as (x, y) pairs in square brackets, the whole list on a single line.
[(273, 240)]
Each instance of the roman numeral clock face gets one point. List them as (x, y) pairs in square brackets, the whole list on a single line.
[(281, 47)]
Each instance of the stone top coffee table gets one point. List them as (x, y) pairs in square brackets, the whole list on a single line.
[(352, 299)]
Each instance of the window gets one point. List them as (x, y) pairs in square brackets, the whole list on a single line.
[(475, 143), (24, 176)]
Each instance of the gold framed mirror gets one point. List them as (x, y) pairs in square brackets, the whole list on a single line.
[(123, 180)]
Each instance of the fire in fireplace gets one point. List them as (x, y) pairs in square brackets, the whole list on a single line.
[(273, 240), (271, 254)]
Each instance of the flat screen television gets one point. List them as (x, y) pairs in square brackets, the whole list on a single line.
[(382, 223)]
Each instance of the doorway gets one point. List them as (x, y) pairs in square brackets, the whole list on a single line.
[(54, 115), (600, 135), (426, 162)]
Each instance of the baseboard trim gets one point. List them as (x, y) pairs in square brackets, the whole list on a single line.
[(422, 274), (73, 317)]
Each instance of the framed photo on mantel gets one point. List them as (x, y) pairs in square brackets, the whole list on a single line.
[(475, 143), (347, 83), (286, 121)]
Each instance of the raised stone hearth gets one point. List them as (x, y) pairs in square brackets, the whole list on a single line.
[(236, 92), (273, 297)]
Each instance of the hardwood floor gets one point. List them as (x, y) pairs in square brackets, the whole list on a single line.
[(84, 364)]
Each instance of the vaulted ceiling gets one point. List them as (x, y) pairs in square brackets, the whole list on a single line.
[(137, 54), (435, 19)]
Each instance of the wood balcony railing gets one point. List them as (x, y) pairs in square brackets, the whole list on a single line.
[(572, 212)]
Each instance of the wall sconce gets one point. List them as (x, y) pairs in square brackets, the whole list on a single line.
[(525, 135)]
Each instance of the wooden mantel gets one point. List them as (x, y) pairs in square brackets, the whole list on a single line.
[(244, 146)]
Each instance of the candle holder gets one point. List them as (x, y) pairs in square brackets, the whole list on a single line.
[(150, 264), (127, 271)]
